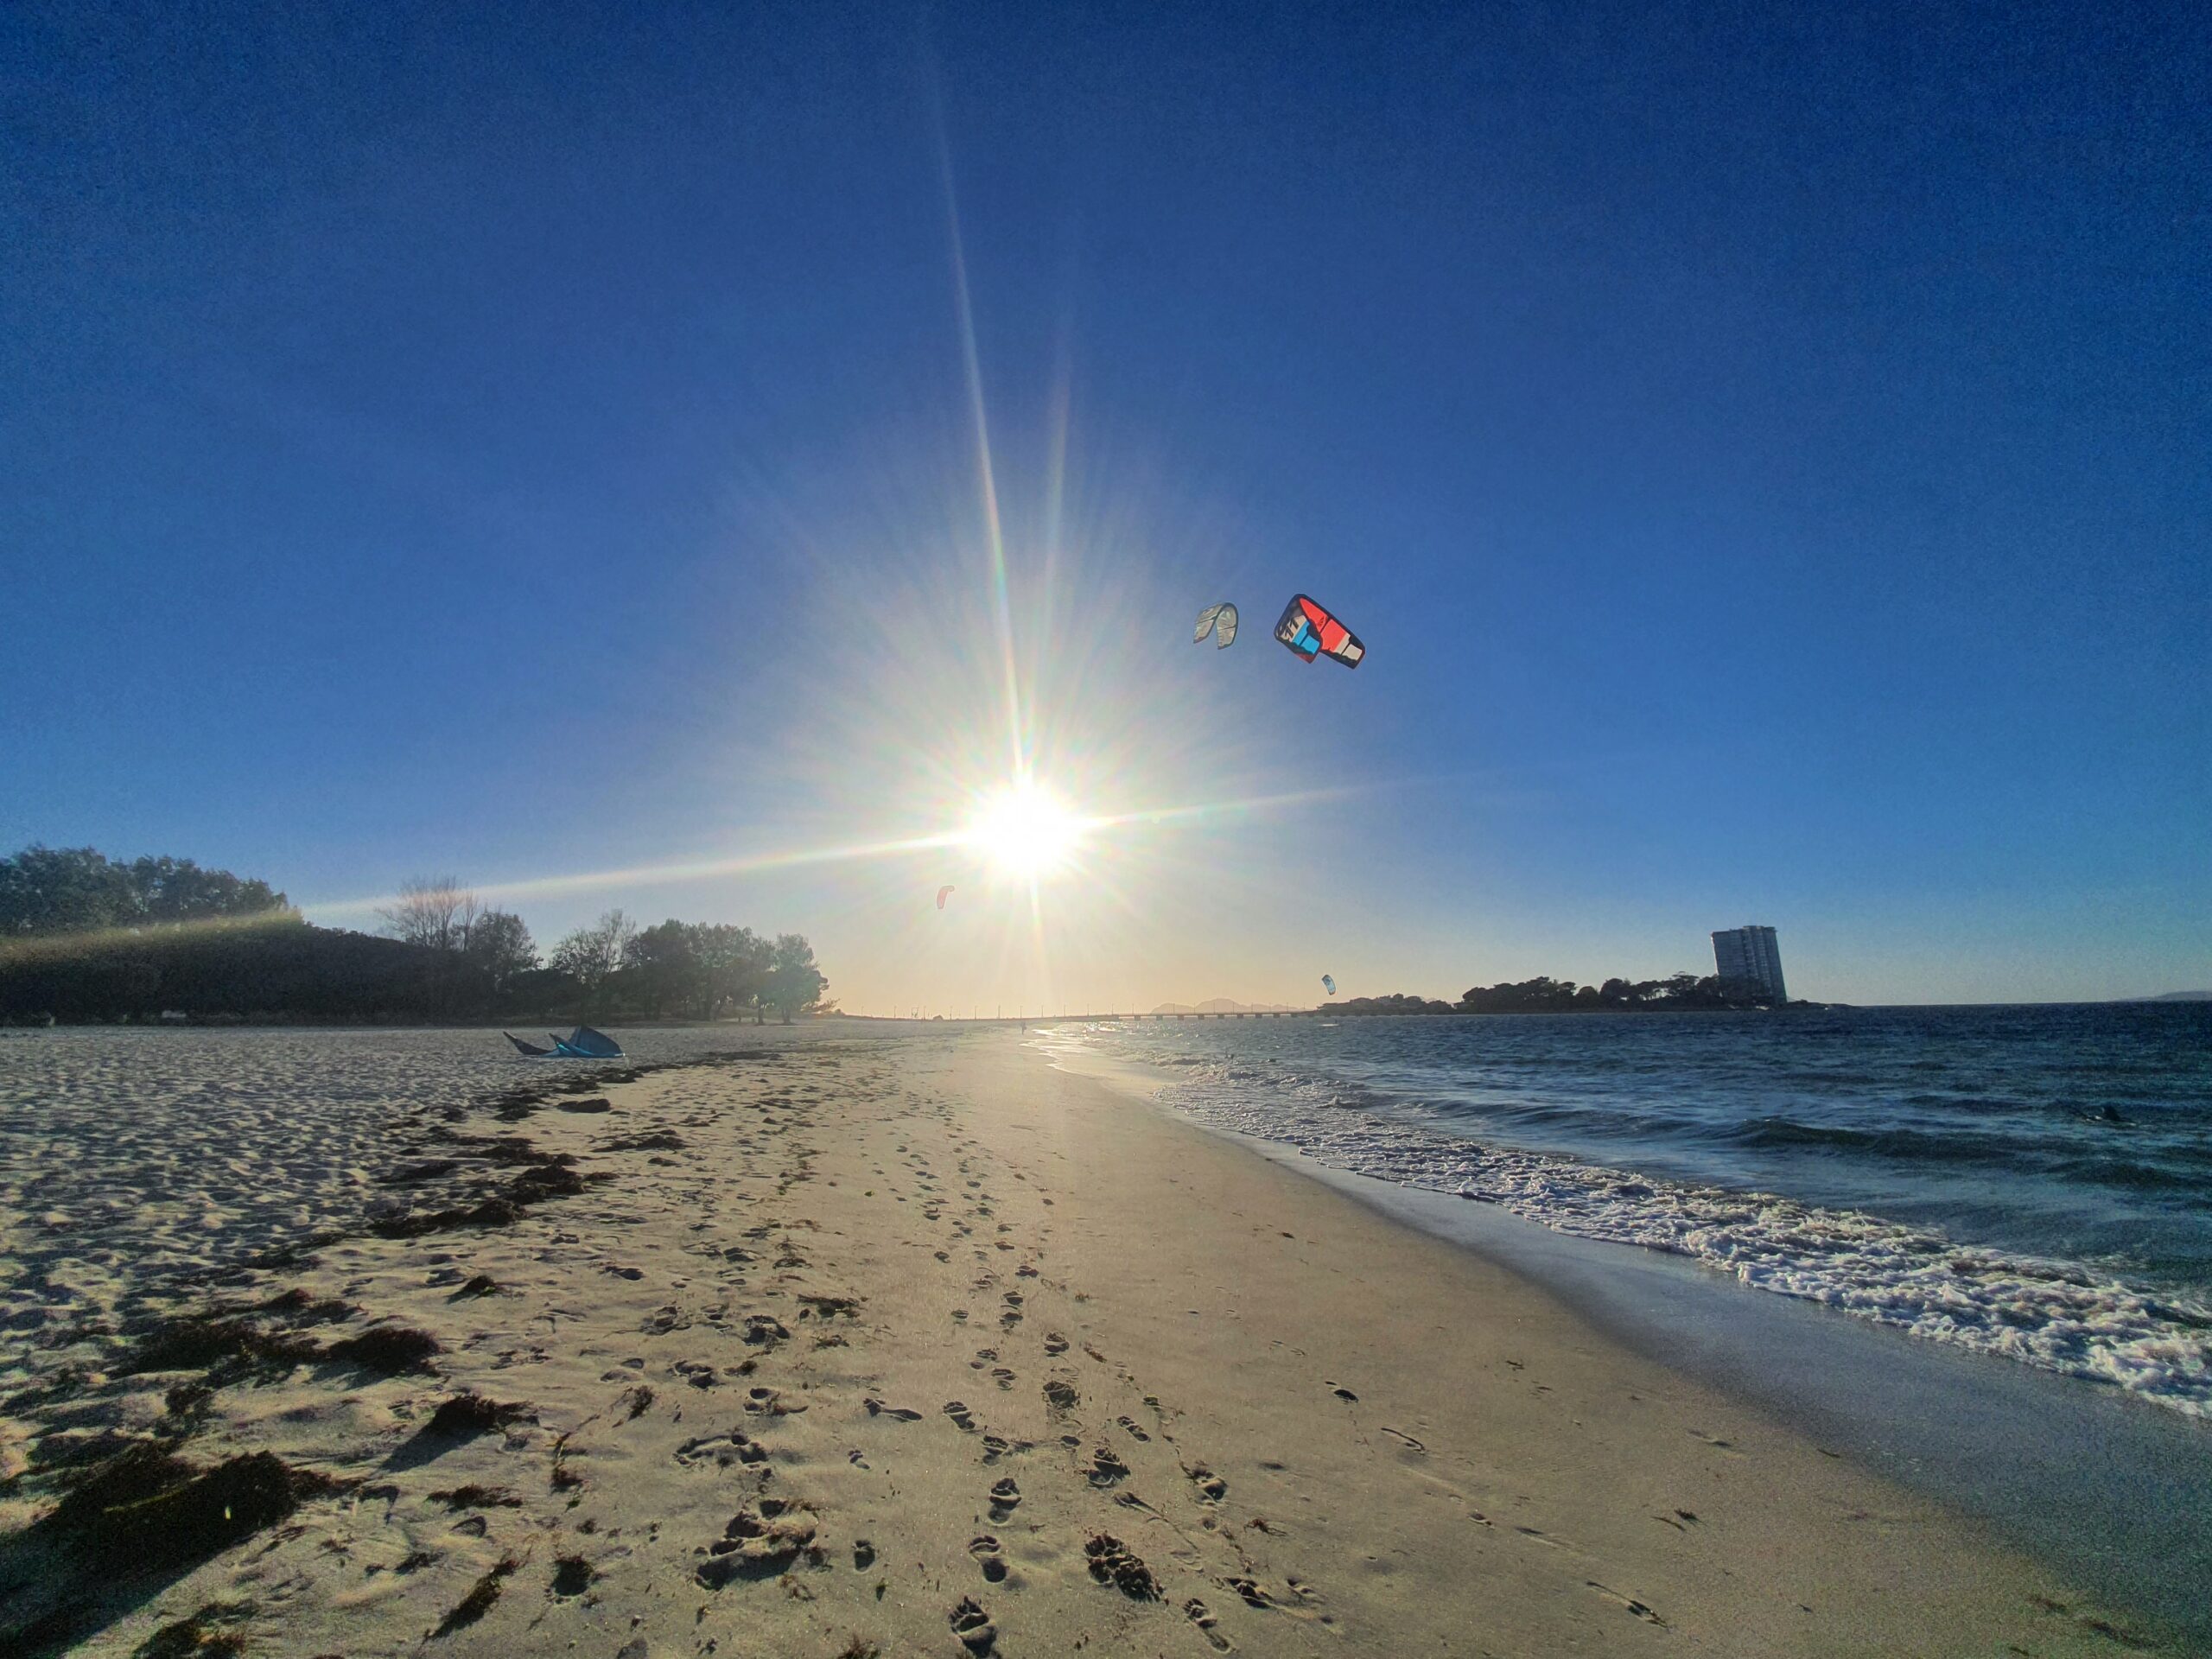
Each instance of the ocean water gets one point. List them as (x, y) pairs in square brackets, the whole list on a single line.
[(2030, 1181)]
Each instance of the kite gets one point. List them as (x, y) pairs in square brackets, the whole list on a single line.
[(582, 1043), (1309, 631), (941, 893), (1328, 984), (1221, 621)]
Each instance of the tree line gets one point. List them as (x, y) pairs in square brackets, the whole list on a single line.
[(85, 938), (1544, 995), (705, 970)]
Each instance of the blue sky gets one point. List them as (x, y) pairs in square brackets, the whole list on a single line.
[(1763, 452)]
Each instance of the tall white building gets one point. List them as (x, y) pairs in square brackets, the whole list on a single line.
[(1749, 953)]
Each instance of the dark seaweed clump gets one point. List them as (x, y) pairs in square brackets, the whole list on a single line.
[(493, 1212), (390, 1349), (199, 1637), (300, 1306), (465, 1414), (478, 1602), (658, 1140), (477, 1497), (545, 1181), (216, 1345), (148, 1509)]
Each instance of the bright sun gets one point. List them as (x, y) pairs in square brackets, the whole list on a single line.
[(1026, 831)]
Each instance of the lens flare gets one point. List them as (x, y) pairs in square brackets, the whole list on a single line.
[(1026, 831)]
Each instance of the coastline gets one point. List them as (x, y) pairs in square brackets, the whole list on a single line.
[(2112, 1489), (906, 1340)]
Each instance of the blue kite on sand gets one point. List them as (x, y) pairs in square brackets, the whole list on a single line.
[(582, 1043)]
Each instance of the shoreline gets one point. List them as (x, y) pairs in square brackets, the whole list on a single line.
[(918, 1341), (2128, 1513)]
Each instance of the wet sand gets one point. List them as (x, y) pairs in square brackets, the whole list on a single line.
[(846, 1344)]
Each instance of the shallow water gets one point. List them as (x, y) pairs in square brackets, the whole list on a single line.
[(2030, 1181), (127, 1157)]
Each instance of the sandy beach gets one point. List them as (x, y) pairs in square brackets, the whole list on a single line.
[(847, 1343)]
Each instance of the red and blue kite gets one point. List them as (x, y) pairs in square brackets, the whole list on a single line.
[(1309, 631)]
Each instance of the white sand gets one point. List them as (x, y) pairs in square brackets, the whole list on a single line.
[(908, 1328)]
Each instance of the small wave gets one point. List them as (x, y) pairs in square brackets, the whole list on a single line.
[(1903, 1145), (1786, 1132), (2120, 1172)]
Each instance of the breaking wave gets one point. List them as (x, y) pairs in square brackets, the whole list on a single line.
[(2061, 1315)]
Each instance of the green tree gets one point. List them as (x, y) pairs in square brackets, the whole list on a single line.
[(49, 890), (795, 984), (177, 890), (734, 965), (662, 963), (499, 947)]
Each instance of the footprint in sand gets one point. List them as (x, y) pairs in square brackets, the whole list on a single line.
[(1212, 1487), (1106, 1468), (985, 1548), (1055, 1343), (960, 1414), (877, 1409), (1112, 1561), (1249, 1590), (1135, 1433), (1061, 1396), (973, 1626), (1004, 1378), (721, 1451), (1006, 1497), (1195, 1610), (863, 1554), (1628, 1603)]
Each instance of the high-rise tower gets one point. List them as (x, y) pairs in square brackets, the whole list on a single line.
[(1750, 954)]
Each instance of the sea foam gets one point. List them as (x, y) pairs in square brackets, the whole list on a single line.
[(2060, 1315)]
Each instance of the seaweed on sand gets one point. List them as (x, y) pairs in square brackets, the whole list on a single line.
[(148, 1508), (468, 1415), (214, 1343), (479, 1601), (390, 1349), (199, 1635)]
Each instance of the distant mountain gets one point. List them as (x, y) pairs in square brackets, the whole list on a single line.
[(1226, 1005), (2179, 996)]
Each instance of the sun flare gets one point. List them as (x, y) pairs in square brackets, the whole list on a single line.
[(1026, 831)]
